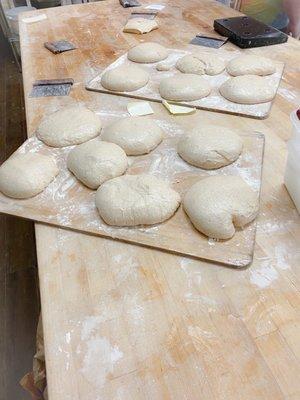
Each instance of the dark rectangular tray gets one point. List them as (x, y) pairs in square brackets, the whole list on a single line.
[(247, 32)]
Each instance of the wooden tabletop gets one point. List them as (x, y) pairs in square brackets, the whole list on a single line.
[(126, 322)]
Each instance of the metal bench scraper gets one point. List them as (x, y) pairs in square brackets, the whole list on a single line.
[(51, 87)]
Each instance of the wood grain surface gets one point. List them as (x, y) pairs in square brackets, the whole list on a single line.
[(125, 322)]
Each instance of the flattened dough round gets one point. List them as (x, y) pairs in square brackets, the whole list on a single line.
[(200, 64), (210, 147), (95, 162), (184, 87), (131, 200), (148, 52), (69, 126), (217, 204), (247, 89), (25, 175), (140, 25), (136, 135), (249, 64), (125, 78)]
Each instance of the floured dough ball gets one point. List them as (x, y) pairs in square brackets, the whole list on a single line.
[(200, 64), (184, 87), (136, 135), (217, 204), (95, 162), (247, 89), (210, 147), (69, 126), (249, 64), (125, 78), (163, 66), (148, 52), (140, 25), (131, 200), (25, 175)]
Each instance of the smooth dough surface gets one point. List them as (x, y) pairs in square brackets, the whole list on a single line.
[(25, 175), (131, 200), (125, 78), (69, 126), (248, 89), (95, 162), (249, 64), (215, 205), (200, 64), (163, 66), (140, 25), (148, 52), (184, 87), (210, 147), (136, 135)]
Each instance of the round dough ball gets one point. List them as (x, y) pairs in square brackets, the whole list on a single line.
[(148, 52), (131, 200), (163, 66), (217, 204), (25, 175), (184, 87), (136, 135), (125, 78), (200, 64), (247, 89), (95, 162), (249, 64), (69, 126), (210, 147)]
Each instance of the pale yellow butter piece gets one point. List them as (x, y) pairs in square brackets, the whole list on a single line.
[(177, 109), (139, 108)]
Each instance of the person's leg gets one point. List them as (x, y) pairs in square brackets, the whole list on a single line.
[(292, 8)]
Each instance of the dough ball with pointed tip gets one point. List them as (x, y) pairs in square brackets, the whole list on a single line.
[(218, 204)]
